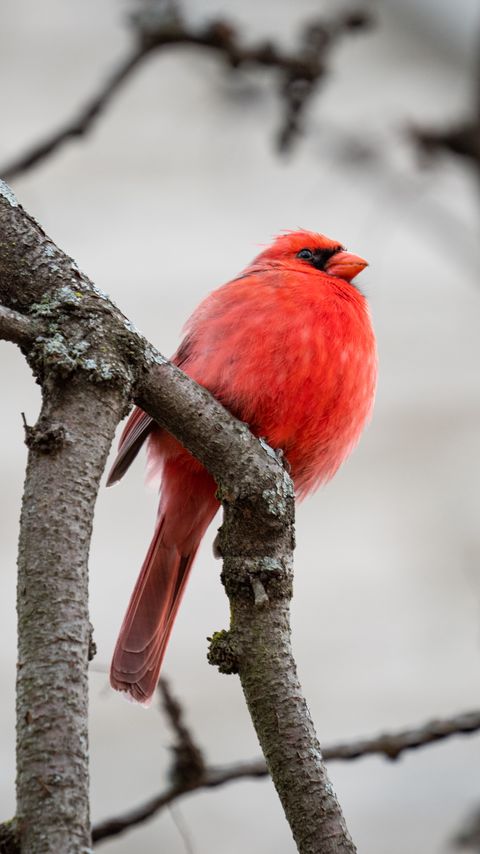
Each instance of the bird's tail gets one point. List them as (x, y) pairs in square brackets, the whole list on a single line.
[(147, 625)]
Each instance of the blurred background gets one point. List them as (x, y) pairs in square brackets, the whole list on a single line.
[(170, 195)]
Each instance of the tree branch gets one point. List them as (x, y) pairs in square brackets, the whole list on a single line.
[(80, 124), (392, 744), (256, 542), (300, 71), (67, 453), (89, 365), (188, 765), (461, 138), (82, 404), (17, 328), (389, 745)]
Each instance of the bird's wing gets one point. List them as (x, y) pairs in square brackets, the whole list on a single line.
[(136, 430), (140, 425)]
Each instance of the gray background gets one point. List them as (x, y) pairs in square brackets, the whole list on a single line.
[(170, 196)]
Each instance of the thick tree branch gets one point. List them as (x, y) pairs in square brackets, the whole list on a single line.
[(82, 404), (256, 541), (89, 364), (68, 450), (300, 72), (389, 745)]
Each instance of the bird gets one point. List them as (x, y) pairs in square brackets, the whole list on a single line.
[(287, 347)]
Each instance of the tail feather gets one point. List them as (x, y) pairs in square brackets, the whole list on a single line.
[(187, 506), (145, 631)]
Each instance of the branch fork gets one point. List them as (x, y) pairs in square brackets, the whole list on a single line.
[(91, 364)]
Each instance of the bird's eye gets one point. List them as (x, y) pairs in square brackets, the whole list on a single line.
[(305, 254)]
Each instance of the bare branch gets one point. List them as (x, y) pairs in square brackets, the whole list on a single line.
[(211, 779), (17, 328), (300, 71), (390, 745), (462, 139), (105, 361), (80, 124), (182, 828), (299, 85), (83, 400), (256, 542), (66, 460), (188, 765)]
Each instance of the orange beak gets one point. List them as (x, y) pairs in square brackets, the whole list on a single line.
[(344, 265)]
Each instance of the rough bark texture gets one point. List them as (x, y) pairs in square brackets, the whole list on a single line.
[(258, 575), (85, 387), (256, 542), (68, 449), (15, 327), (283, 724), (90, 361)]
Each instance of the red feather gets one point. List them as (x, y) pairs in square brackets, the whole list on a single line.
[(288, 347)]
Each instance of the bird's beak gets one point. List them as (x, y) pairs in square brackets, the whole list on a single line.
[(345, 265)]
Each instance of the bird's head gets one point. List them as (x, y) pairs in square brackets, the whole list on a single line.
[(309, 249)]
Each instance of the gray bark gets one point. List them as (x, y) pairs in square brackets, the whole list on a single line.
[(90, 361), (15, 327), (256, 542), (68, 449)]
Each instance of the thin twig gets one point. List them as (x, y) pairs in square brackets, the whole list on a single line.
[(80, 124), (301, 72), (461, 138), (188, 764), (389, 745), (17, 327), (182, 828)]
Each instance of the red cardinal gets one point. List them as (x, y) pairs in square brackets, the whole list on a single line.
[(287, 347)]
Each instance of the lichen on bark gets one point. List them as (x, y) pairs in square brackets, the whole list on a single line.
[(91, 363)]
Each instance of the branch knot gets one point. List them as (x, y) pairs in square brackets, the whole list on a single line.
[(263, 578), (222, 653), (44, 438), (188, 768)]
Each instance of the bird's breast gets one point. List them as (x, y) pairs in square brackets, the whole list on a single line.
[(300, 368)]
